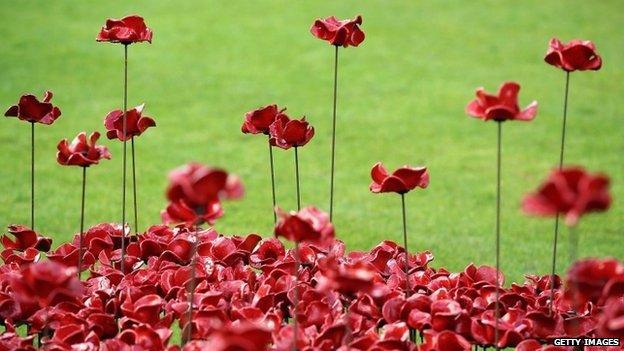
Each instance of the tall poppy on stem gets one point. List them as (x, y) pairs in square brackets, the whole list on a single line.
[(338, 33), (128, 30), (286, 133), (195, 192), (500, 108), (30, 109), (571, 192), (256, 122), (81, 152), (136, 124), (305, 225), (577, 55), (401, 181)]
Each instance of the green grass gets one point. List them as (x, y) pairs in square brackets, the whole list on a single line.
[(401, 100)]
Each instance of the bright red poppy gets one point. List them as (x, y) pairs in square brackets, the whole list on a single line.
[(577, 55), (128, 30), (25, 238), (308, 225), (30, 109), (195, 192), (339, 33), (571, 191), (81, 152), (259, 120), (400, 181), (136, 123), (501, 107), (286, 133)]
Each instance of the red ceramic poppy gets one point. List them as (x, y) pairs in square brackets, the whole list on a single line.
[(25, 238), (198, 184), (339, 33), (587, 279), (286, 133), (611, 324), (400, 181), (501, 107), (136, 123), (259, 121), (577, 55), (30, 109), (571, 191), (128, 30), (81, 152), (45, 284), (308, 225), (444, 341)]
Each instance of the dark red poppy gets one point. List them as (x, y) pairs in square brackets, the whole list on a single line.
[(611, 323), (286, 133), (30, 109), (571, 191), (501, 107), (128, 30), (81, 152), (347, 277), (339, 33), (259, 121), (195, 193), (240, 336), (444, 341), (400, 181), (586, 280), (136, 123), (308, 225), (577, 55), (25, 238), (46, 283)]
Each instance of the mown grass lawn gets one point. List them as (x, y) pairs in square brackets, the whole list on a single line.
[(401, 100)]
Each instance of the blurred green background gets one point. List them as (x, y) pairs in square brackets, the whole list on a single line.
[(402, 95)]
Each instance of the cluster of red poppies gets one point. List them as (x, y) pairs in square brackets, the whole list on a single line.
[(108, 290), (245, 294)]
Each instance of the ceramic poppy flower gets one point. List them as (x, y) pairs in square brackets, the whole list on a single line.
[(501, 107), (339, 33), (571, 191), (400, 181), (46, 283), (577, 55), (25, 238), (286, 133), (611, 324), (136, 123), (195, 193), (30, 109), (198, 184), (128, 30), (259, 120), (587, 279), (308, 225), (81, 152)]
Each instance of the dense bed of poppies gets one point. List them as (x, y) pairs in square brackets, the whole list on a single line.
[(245, 291)]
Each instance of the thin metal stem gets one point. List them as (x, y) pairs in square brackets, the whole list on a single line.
[(407, 269), (32, 175), (498, 210), (574, 242), (134, 189), (297, 177), (561, 153), (191, 300), (272, 182), (296, 302), (333, 146), (123, 185), (82, 205)]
